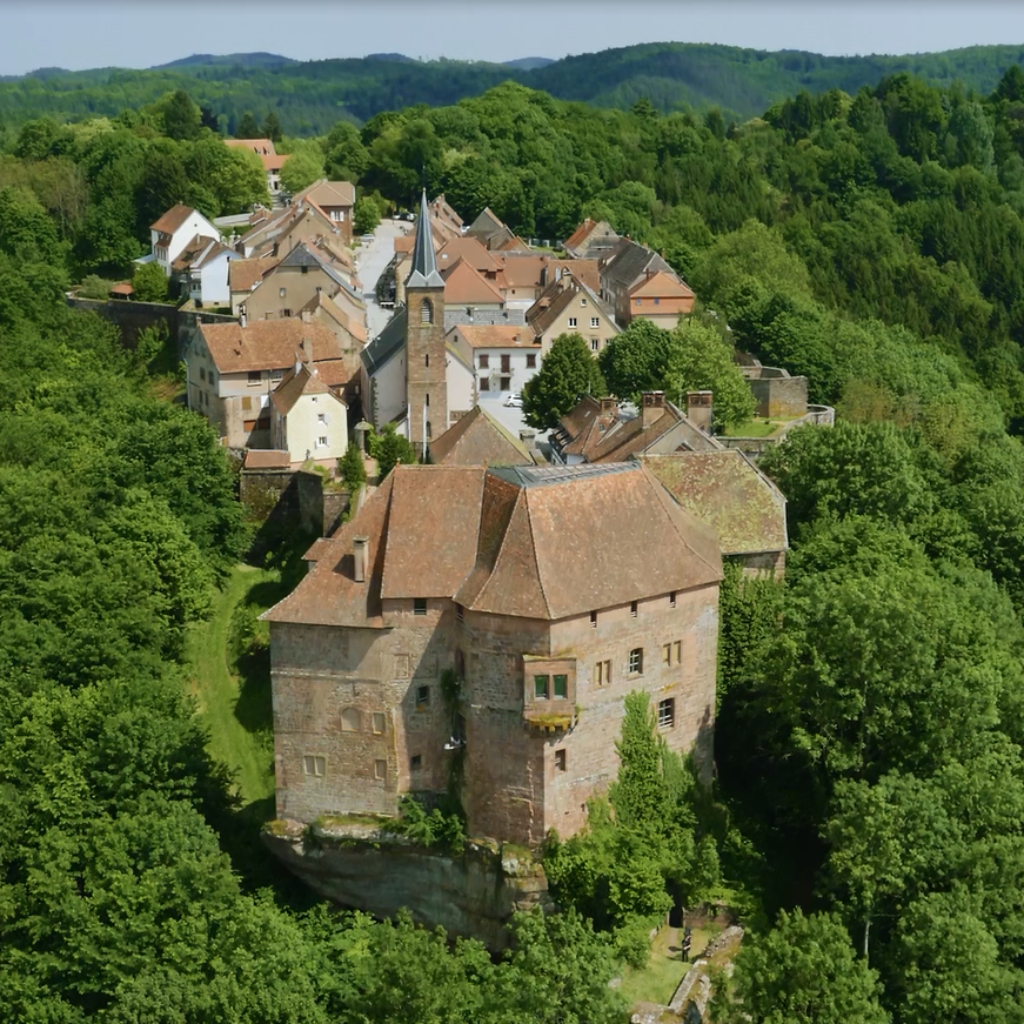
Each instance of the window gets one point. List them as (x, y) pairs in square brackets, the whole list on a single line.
[(657, 302), (485, 384), (639, 302), (305, 270), (419, 606), (282, 292), (276, 374), (633, 609), (422, 697), (286, 312), (666, 713), (313, 764), (560, 762), (677, 651), (426, 398), (379, 722), (572, 321), (531, 361), (593, 619), (485, 362), (561, 687), (603, 673), (666, 654), (540, 687), (594, 344), (595, 321), (350, 720), (401, 666), (426, 360), (505, 383), (246, 403), (254, 378), (583, 302), (506, 364), (321, 442), (213, 377), (380, 769), (636, 661), (318, 289), (460, 612), (672, 599), (321, 417), (202, 373), (416, 762), (430, 432), (426, 312)]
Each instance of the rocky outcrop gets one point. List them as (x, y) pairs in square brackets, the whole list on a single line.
[(361, 865)]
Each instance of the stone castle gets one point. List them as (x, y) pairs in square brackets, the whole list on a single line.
[(481, 627)]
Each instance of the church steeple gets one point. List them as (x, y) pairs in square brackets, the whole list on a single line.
[(424, 263)]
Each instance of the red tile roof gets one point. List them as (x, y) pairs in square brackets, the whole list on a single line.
[(172, 219), (268, 344), (463, 286)]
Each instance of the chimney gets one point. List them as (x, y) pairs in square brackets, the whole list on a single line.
[(528, 437), (652, 407), (609, 405), (699, 409), (361, 557), (241, 318), (306, 316)]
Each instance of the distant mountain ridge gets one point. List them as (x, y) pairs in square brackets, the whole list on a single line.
[(310, 96)]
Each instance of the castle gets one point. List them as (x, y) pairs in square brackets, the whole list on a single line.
[(480, 628)]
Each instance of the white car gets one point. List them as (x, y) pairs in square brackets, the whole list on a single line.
[(514, 400)]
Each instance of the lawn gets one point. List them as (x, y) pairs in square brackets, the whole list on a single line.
[(753, 428), (659, 980), (236, 704)]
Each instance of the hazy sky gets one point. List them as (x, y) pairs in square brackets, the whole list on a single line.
[(140, 33)]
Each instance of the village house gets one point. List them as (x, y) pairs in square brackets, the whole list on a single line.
[(497, 616), (272, 163), (306, 271), (308, 419), (591, 239), (639, 284), (275, 233), (180, 227), (202, 268), (337, 199), (244, 275), (568, 306), (504, 356), (233, 369)]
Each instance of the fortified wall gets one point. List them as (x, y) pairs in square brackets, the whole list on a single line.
[(472, 894)]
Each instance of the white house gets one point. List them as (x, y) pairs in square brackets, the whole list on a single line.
[(308, 420), (503, 357), (173, 232), (203, 268)]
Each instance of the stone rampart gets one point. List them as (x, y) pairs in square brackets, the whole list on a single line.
[(473, 894)]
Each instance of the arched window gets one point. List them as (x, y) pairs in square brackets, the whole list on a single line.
[(426, 312), (350, 720)]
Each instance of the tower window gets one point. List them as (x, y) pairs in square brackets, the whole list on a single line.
[(666, 714), (426, 312), (426, 360), (419, 606), (560, 760), (422, 697), (636, 661)]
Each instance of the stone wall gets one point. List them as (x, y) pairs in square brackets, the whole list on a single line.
[(285, 499), (472, 895), (777, 395)]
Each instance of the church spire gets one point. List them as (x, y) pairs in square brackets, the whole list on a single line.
[(424, 263)]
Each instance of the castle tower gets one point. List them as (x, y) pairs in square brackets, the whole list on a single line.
[(426, 362)]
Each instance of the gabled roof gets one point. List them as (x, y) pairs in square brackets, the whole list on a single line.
[(329, 193), (388, 343), (173, 219), (628, 261), (354, 327), (661, 285), (307, 254), (727, 491), (557, 297), (486, 224), (244, 275), (268, 344), (496, 335), (477, 439), (581, 234), (261, 147), (200, 251), (598, 432), (298, 381), (535, 542), (463, 286), (424, 261), (469, 250)]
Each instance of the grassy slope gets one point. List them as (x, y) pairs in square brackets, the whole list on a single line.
[(235, 708)]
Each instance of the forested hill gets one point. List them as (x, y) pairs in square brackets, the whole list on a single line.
[(308, 97)]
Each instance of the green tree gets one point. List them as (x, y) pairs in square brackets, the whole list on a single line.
[(305, 164), (569, 372), (389, 448), (248, 127), (353, 469), (150, 283), (181, 117), (271, 128), (366, 215), (803, 971)]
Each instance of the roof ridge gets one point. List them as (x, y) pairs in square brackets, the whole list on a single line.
[(533, 550), (663, 492)]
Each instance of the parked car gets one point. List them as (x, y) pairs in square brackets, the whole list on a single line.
[(514, 400)]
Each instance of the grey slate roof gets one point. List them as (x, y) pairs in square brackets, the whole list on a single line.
[(628, 261), (387, 343), (302, 255), (424, 261)]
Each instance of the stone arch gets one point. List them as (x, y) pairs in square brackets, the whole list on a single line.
[(351, 720), (426, 312)]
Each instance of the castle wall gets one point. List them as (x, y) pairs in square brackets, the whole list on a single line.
[(779, 397)]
